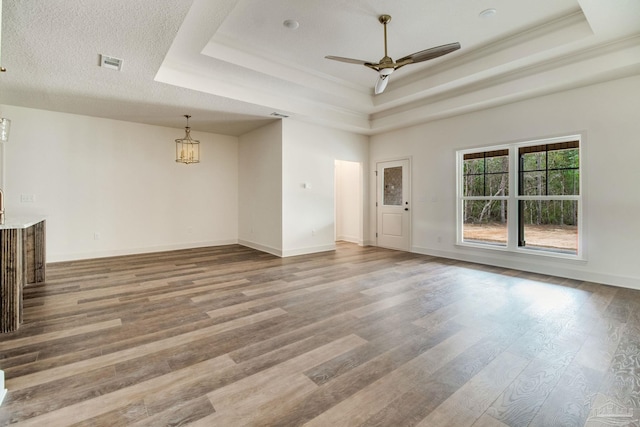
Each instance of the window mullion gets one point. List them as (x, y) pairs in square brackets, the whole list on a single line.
[(484, 175), (512, 204)]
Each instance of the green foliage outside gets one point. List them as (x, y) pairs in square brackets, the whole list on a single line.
[(543, 173)]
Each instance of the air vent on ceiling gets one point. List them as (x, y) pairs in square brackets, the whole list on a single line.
[(282, 116), (111, 62)]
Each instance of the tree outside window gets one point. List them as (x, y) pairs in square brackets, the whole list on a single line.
[(542, 215)]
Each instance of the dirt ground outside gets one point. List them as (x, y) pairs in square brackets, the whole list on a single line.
[(540, 236)]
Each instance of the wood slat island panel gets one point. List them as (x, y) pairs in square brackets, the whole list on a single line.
[(22, 261), (12, 276)]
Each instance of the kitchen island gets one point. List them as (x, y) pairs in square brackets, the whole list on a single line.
[(22, 261)]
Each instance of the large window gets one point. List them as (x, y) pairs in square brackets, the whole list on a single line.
[(522, 197)]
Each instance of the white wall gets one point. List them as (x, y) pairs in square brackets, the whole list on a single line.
[(349, 201), (260, 189), (118, 179), (607, 113), (309, 154)]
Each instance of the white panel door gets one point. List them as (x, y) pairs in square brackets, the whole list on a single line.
[(393, 205)]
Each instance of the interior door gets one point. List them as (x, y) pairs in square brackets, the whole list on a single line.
[(393, 205)]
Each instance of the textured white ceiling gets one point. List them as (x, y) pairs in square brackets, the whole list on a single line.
[(230, 63), (51, 51)]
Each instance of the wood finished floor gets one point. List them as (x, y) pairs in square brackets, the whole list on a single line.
[(229, 336)]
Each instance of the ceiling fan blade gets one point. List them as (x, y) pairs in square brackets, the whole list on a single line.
[(381, 83), (434, 52), (349, 60)]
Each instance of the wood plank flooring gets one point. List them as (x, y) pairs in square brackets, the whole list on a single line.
[(229, 336)]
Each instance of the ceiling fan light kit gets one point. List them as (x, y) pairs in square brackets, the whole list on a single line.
[(381, 83), (386, 65)]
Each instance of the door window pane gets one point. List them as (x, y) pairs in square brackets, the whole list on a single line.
[(392, 186)]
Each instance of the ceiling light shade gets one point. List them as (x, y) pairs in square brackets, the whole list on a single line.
[(187, 149), (5, 127)]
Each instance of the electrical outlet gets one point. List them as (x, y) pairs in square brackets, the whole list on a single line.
[(27, 198), (96, 236)]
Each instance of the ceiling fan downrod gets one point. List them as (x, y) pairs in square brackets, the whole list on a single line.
[(384, 20)]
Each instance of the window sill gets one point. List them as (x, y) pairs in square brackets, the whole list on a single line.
[(523, 251)]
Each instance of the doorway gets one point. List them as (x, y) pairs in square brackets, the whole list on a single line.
[(348, 202)]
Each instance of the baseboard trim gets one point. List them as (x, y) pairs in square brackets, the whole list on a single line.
[(288, 252), (261, 248), (309, 250), (555, 267), (350, 239), (136, 251)]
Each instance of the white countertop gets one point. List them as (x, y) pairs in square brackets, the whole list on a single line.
[(13, 222)]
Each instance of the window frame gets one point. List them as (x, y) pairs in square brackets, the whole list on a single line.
[(513, 198)]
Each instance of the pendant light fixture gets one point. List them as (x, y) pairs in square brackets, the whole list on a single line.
[(187, 149)]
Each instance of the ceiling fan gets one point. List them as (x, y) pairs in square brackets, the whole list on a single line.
[(386, 65)]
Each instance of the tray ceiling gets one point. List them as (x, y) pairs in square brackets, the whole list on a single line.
[(231, 63)]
